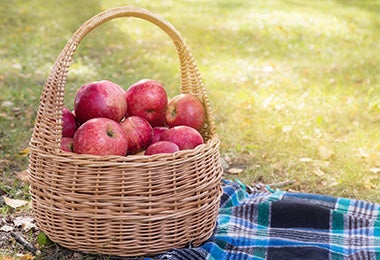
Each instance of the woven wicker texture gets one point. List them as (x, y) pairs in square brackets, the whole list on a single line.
[(127, 206)]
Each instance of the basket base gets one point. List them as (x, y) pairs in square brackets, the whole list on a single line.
[(96, 235)]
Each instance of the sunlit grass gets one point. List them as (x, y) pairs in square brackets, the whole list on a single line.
[(294, 85)]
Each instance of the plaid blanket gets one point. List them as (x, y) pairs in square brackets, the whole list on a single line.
[(274, 224)]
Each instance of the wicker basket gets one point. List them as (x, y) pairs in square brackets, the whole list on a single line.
[(126, 206)]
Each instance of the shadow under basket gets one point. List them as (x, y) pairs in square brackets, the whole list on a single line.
[(123, 205)]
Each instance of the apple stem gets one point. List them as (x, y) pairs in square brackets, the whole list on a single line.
[(110, 133)]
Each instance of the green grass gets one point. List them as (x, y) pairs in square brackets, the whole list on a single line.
[(294, 85)]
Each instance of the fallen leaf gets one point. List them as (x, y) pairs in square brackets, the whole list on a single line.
[(14, 203), (281, 28), (4, 115), (28, 257), (7, 104), (5, 257), (333, 182), (330, 183), (27, 223), (280, 107), (17, 66), (319, 172), (267, 101), (23, 176), (374, 159), (325, 153), (377, 163), (267, 69), (368, 184), (228, 159), (363, 153), (375, 170), (287, 129), (25, 151), (323, 164), (6, 228), (235, 170)]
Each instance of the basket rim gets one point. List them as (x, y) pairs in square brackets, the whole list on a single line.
[(134, 158)]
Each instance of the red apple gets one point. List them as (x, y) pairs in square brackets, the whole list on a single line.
[(185, 109), (157, 132), (185, 137), (67, 144), (139, 133), (161, 147), (100, 99), (147, 98), (100, 136), (69, 123)]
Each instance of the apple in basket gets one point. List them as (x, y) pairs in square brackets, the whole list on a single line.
[(185, 109), (139, 133), (185, 137), (67, 144), (148, 99), (100, 99), (100, 136), (157, 132), (161, 147), (69, 123)]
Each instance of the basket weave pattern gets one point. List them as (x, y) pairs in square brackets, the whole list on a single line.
[(126, 206)]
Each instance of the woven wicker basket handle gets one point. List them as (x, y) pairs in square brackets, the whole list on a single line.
[(48, 129)]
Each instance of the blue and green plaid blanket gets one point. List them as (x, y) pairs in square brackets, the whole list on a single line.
[(275, 224)]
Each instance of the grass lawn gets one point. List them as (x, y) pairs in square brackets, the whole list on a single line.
[(294, 85)]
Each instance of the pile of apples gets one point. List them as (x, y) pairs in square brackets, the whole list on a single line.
[(109, 120)]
